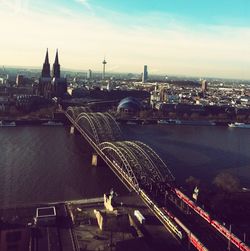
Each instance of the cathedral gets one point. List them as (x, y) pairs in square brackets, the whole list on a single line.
[(51, 84)]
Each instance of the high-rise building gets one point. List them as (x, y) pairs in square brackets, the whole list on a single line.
[(89, 74), (145, 74), (204, 85), (19, 80)]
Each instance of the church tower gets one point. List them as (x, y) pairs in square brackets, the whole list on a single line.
[(46, 67), (56, 67), (45, 79), (51, 84), (59, 84)]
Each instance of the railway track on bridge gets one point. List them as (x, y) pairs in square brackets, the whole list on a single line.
[(140, 168)]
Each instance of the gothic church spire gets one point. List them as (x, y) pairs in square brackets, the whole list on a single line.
[(46, 66), (56, 67)]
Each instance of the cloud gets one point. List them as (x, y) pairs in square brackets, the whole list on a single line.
[(85, 3), (128, 43), (15, 6)]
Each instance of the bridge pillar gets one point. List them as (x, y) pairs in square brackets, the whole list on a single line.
[(72, 130), (94, 161)]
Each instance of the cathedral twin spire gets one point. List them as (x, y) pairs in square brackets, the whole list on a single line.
[(56, 67), (46, 67)]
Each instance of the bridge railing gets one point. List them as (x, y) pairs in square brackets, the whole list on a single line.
[(130, 181)]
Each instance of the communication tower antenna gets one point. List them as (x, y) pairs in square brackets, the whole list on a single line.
[(104, 66)]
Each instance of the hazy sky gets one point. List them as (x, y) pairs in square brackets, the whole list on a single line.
[(188, 37)]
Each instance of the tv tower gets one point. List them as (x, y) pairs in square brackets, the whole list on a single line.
[(103, 70)]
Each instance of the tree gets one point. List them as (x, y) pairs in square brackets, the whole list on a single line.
[(227, 182)]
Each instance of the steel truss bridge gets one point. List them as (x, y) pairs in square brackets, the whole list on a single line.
[(139, 165), (141, 169)]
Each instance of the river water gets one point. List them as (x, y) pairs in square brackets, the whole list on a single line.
[(200, 151), (40, 164)]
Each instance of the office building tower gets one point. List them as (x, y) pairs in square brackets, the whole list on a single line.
[(204, 85), (145, 74), (89, 74), (19, 80)]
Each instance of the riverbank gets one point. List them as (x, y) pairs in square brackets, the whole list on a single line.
[(76, 224), (57, 117), (138, 121)]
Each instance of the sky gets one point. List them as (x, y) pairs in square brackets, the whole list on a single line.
[(180, 37)]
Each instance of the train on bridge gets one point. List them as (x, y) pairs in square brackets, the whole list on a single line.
[(138, 166), (218, 226), (173, 223)]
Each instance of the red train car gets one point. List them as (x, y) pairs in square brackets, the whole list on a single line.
[(219, 227)]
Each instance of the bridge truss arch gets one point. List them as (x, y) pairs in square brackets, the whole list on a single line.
[(99, 126), (157, 160), (74, 111), (139, 162)]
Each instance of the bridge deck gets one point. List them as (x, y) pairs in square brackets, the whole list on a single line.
[(209, 238)]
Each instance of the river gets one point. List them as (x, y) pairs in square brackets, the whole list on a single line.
[(41, 163)]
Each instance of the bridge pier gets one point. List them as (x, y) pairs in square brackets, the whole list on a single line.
[(72, 130), (95, 159)]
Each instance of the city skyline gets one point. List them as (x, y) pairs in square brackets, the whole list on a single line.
[(194, 38)]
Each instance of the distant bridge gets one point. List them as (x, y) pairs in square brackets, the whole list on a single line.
[(141, 169)]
